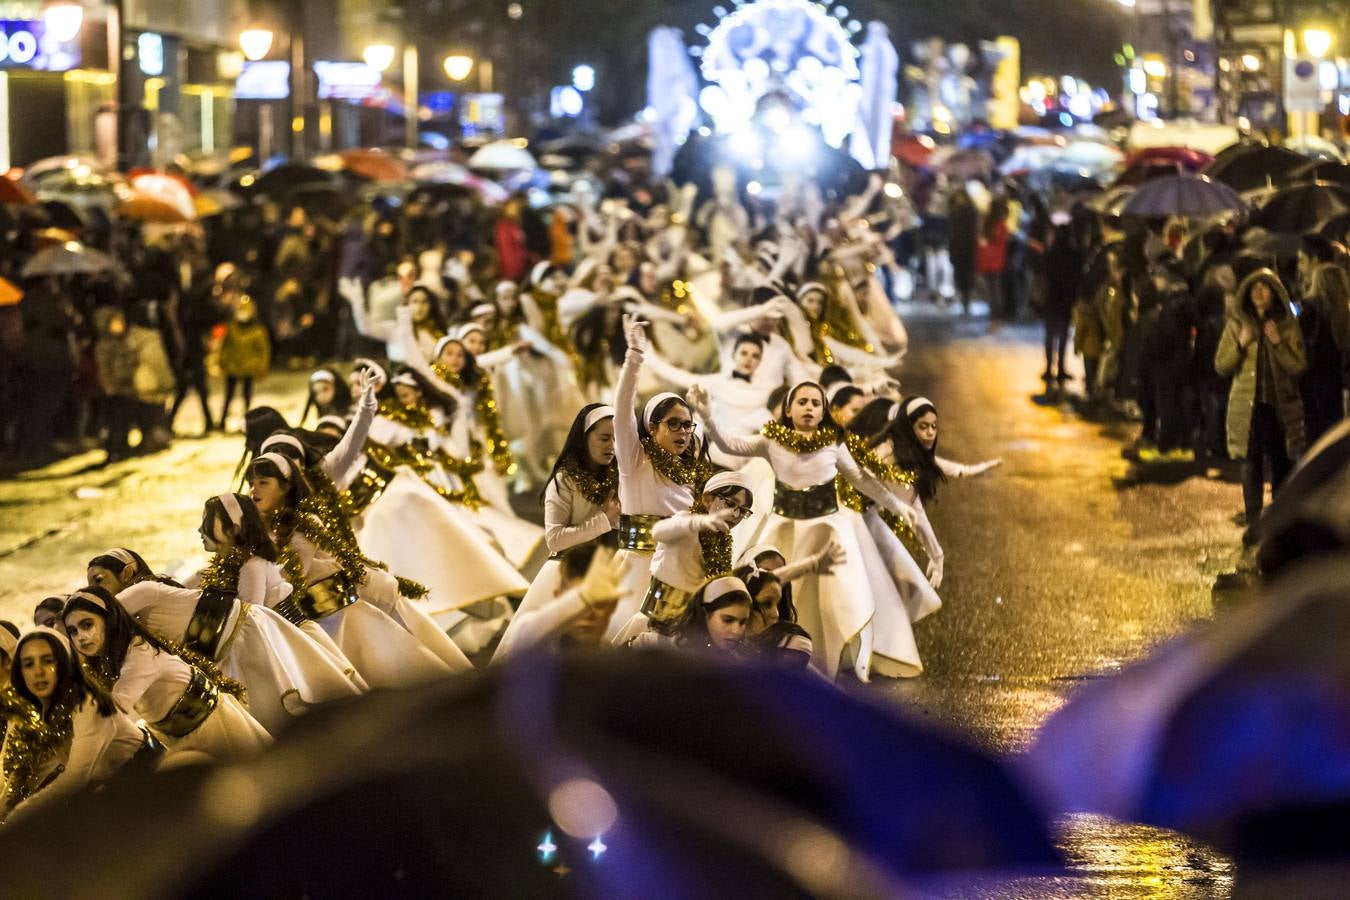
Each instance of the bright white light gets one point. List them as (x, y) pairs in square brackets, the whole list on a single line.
[(63, 19), (583, 78), (379, 56), (1128, 4), (776, 118), (1329, 75), (1148, 107), (255, 42), (796, 147), (893, 190), (515, 11), (1317, 40), (1155, 68), (1251, 62), (1081, 105), (1036, 91), (1138, 81), (150, 53), (570, 101), (457, 67), (714, 101), (753, 188), (597, 847), (1068, 84), (746, 144)]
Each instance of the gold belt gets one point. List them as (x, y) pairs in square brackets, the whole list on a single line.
[(207, 625), (370, 483), (806, 503), (666, 606), (635, 532), (199, 700), (322, 598)]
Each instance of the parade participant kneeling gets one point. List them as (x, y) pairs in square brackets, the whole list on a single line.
[(773, 633), (62, 735), (578, 616), (716, 620), (189, 707)]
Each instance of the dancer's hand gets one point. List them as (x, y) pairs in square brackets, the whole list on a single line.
[(697, 397), (720, 521), (635, 330), (611, 510), (908, 515), (602, 583), (829, 559), (369, 382), (983, 467), (935, 572)]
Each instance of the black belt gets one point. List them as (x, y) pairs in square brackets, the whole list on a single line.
[(207, 625), (665, 605), (199, 700), (320, 599), (806, 503), (635, 532)]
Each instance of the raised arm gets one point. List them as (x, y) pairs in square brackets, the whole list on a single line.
[(412, 352), (751, 445), (351, 290), (627, 446), (958, 470), (742, 318), (338, 460), (533, 627), (670, 373), (684, 526)]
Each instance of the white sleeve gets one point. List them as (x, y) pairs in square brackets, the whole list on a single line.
[(494, 359), (338, 460), (924, 529), (538, 625), (412, 352), (559, 532), (739, 318), (253, 581), (958, 470), (748, 445), (867, 483), (139, 673), (627, 445)]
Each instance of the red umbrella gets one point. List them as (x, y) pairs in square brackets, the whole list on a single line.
[(914, 149), (1188, 159), (13, 192), (136, 173)]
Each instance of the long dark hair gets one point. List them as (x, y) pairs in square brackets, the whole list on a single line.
[(250, 535), (826, 420), (697, 449), (436, 318), (574, 453), (70, 686), (875, 425), (297, 488), (756, 579), (140, 569), (470, 375), (590, 332), (694, 628), (433, 398), (342, 396), (119, 628)]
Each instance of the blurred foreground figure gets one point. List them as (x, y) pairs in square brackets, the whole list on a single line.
[(617, 775)]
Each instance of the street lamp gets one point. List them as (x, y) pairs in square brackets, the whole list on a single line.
[(1317, 41), (457, 66), (255, 42), (62, 19), (380, 56)]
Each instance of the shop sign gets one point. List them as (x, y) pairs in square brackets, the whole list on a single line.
[(25, 44)]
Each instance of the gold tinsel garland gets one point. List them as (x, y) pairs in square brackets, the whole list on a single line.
[(417, 417), (679, 470), (595, 490), (222, 572), (820, 331), (489, 416), (795, 441), (30, 741), (866, 457), (715, 547), (553, 329), (424, 465)]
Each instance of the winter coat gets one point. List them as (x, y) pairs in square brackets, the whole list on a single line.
[(154, 380), (1321, 383), (246, 351), (964, 222), (1286, 361), (1063, 273), (992, 256), (114, 358), (1089, 328)]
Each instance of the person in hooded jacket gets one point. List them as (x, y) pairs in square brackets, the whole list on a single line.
[(1262, 349), (1325, 321)]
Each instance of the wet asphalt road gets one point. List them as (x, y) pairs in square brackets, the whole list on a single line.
[(1059, 566)]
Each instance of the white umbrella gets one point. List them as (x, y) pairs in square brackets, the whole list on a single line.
[(167, 189), (452, 173), (503, 156)]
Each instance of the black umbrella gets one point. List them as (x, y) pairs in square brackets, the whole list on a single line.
[(320, 199), (1302, 207), (1308, 517), (1337, 228), (62, 215), (1141, 172), (279, 181), (621, 775), (1255, 167), (1322, 170)]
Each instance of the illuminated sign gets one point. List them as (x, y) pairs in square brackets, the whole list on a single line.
[(150, 53), (25, 44), (346, 80), (267, 80)]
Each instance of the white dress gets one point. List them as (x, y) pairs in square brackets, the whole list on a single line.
[(284, 671), (384, 652), (643, 491), (839, 610), (149, 686), (919, 597)]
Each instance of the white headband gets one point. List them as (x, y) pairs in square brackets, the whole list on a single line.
[(915, 403), (650, 409), (121, 555), (894, 412), (288, 439), (812, 286), (441, 345), (281, 462), (482, 309), (720, 587), (46, 631), (336, 421), (757, 551), (836, 388), (504, 286), (469, 328), (323, 375), (595, 415), (729, 479), (408, 380), (539, 271), (232, 508)]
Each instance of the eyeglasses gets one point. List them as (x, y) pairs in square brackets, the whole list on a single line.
[(742, 512), (680, 424)]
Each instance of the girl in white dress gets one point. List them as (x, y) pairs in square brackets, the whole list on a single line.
[(581, 501), (187, 706), (61, 736), (334, 586), (661, 471), (806, 452)]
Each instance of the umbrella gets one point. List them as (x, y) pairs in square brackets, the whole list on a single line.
[(53, 166), (1274, 246), (13, 192), (1315, 147), (147, 208), (1322, 170), (327, 200), (214, 201), (914, 149), (172, 190), (1224, 732), (1302, 207), (1188, 159), (1192, 196), (503, 156), (61, 214), (961, 163), (10, 294), (1309, 515), (1090, 155), (280, 180), (620, 775), (1337, 228), (1137, 174), (575, 146), (455, 174), (1255, 167), (375, 165), (70, 258)]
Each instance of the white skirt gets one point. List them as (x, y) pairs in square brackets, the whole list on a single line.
[(838, 609), (422, 536), (229, 732), (381, 589), (314, 631), (635, 578), (517, 539), (382, 651), (284, 671), (915, 592)]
